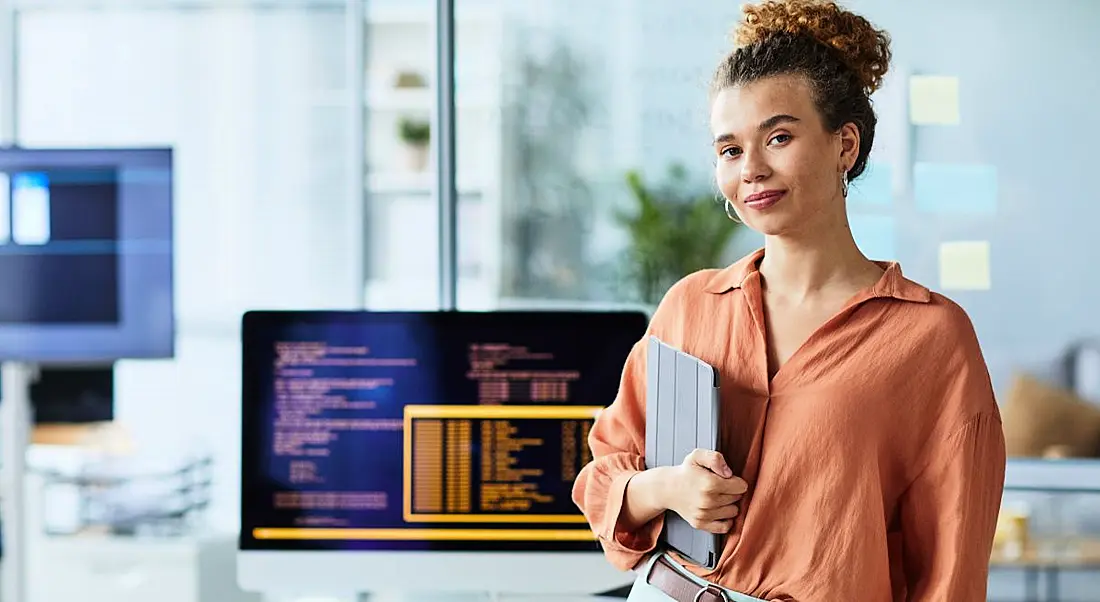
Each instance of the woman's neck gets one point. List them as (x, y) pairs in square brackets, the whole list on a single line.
[(804, 265)]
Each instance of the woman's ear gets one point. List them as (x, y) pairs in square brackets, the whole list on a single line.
[(849, 145)]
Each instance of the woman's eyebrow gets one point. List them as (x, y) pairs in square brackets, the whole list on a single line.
[(767, 124)]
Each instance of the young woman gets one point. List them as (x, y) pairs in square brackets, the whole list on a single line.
[(861, 453)]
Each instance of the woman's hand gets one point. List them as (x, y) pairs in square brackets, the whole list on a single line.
[(704, 491)]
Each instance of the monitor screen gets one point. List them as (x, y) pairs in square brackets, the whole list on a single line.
[(423, 431), (85, 254)]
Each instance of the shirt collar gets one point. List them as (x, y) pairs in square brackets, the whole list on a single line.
[(892, 284)]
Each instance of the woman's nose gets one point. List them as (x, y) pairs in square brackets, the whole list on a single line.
[(753, 167)]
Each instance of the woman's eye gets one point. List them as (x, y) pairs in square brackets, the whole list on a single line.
[(781, 138), (731, 152)]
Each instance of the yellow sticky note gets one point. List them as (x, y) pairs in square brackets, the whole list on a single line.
[(964, 265), (934, 100)]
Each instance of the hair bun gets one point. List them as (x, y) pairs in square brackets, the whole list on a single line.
[(864, 49)]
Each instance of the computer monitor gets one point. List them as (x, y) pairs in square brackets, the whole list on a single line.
[(423, 451), (73, 394), (85, 255)]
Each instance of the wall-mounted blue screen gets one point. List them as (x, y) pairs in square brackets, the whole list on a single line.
[(86, 254)]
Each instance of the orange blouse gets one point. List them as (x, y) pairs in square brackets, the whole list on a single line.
[(875, 457)]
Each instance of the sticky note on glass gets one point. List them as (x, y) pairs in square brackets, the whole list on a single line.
[(934, 100), (875, 236), (875, 186), (964, 266), (955, 188)]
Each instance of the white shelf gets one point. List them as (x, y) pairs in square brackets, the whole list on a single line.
[(409, 99), (422, 13), (424, 99), (412, 184)]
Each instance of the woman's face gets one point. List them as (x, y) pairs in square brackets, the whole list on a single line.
[(775, 160)]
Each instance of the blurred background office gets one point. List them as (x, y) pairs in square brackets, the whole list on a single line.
[(303, 177)]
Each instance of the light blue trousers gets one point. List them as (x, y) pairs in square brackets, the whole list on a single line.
[(644, 592)]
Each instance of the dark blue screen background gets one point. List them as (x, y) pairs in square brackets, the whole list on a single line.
[(594, 344), (73, 278)]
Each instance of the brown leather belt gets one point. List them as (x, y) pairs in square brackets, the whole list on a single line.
[(679, 586)]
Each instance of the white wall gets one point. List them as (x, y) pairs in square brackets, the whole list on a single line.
[(263, 219)]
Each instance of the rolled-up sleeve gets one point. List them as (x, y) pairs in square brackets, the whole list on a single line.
[(617, 440), (949, 513), (618, 449)]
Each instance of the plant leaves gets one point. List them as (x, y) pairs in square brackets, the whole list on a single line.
[(673, 232)]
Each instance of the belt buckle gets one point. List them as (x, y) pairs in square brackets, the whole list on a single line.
[(708, 587)]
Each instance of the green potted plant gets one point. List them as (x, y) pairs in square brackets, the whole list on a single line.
[(415, 135), (673, 231)]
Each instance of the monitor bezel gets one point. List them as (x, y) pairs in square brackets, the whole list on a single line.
[(95, 343), (254, 323), (343, 572)]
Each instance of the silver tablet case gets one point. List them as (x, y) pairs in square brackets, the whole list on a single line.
[(682, 397)]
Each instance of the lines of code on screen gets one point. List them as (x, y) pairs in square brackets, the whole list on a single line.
[(413, 431), (499, 464)]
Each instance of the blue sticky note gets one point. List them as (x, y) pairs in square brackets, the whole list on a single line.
[(875, 236), (875, 186), (955, 188)]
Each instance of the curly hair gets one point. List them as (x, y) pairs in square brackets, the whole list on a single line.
[(841, 54)]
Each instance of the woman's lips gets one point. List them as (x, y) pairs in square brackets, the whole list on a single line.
[(763, 200)]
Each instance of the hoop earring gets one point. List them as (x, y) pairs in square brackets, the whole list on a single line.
[(844, 183), (730, 213)]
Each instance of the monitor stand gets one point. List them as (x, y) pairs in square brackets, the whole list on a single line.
[(15, 435)]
